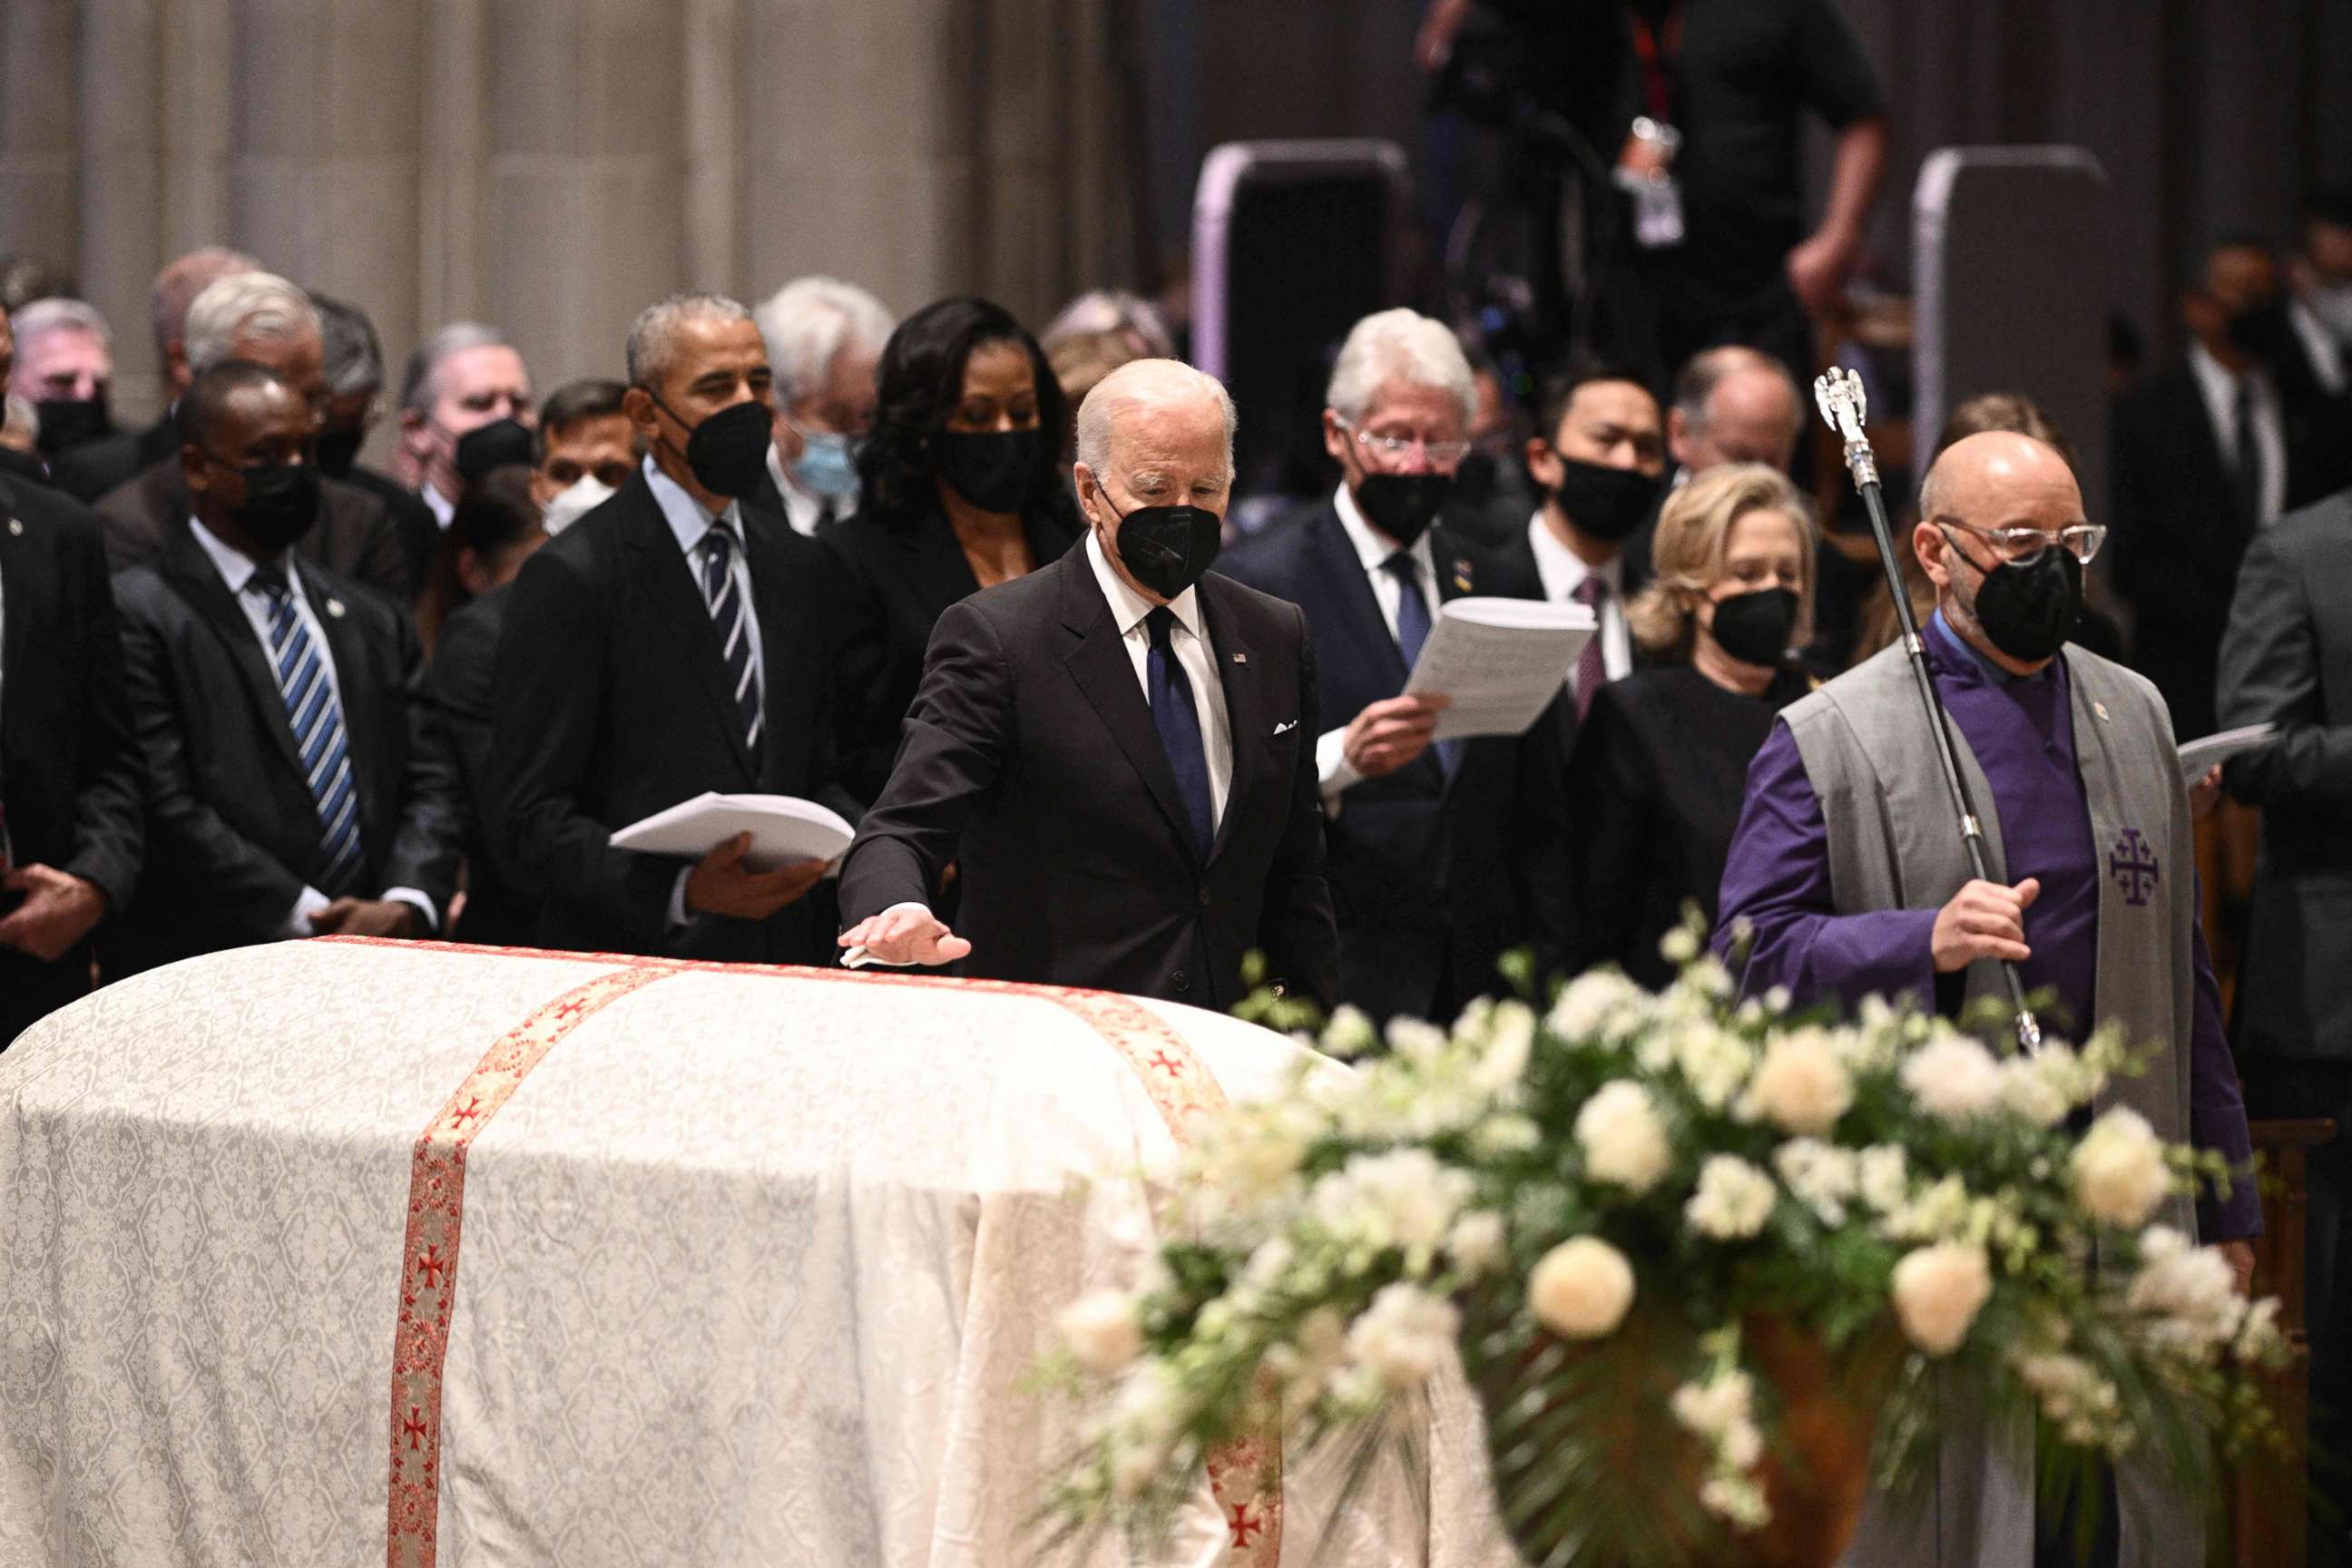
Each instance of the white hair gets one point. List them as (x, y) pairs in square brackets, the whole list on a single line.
[(244, 305), (38, 318), (1399, 346), (808, 321), (420, 382), (1131, 316), (652, 336), (1144, 383)]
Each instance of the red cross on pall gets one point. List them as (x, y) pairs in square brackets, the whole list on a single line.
[(1244, 1526)]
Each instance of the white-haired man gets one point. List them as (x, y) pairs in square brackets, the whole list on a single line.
[(261, 319), (672, 641), (1446, 856), (64, 364), (1116, 750), (824, 337), (461, 378)]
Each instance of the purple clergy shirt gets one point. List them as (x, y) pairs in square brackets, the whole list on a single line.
[(2022, 731)]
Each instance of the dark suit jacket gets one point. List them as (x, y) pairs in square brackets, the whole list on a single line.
[(2287, 660), (69, 772), (1433, 879), (419, 530), (232, 829), (1030, 759), (611, 702), (906, 572), (356, 539), (457, 690), (88, 472), (2177, 534)]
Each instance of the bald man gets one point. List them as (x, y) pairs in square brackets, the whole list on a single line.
[(1733, 404), (1116, 750), (1848, 878)]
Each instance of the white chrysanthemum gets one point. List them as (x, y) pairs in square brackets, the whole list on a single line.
[(1103, 1331), (1884, 1177), (2191, 1289), (2118, 1169), (1936, 1213), (1800, 1085), (1954, 1078), (1715, 1062), (1938, 1292), (1715, 1406), (1477, 1243), (1736, 1500), (1350, 1034), (1581, 1288), (2033, 1092), (1510, 1043), (1415, 1039), (1404, 1337), (1588, 1002), (1678, 946), (1734, 1199), (1402, 1198), (1823, 1177), (1623, 1140)]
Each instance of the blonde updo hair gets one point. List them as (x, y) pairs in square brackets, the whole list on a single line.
[(1692, 538)]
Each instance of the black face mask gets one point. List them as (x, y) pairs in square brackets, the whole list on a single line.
[(339, 452), (2029, 610), (1755, 628), (995, 470), (2265, 332), (1607, 503), (727, 452), (1168, 548), (506, 442), (280, 504), (1402, 506), (70, 421)]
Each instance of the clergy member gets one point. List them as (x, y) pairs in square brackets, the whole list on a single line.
[(1848, 877), (1116, 750)]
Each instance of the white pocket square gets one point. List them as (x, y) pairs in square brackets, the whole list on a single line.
[(1287, 725)]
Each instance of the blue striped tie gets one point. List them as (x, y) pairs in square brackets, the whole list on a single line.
[(317, 724), (734, 636)]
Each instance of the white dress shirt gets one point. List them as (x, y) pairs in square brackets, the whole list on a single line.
[(1333, 772), (803, 509), (2220, 390), (442, 508), (237, 570), (1562, 571)]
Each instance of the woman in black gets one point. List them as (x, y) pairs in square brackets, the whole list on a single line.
[(960, 488), (1660, 761)]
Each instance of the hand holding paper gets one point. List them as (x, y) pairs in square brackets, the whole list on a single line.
[(1501, 662)]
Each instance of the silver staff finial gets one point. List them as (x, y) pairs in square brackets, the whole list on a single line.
[(1842, 402)]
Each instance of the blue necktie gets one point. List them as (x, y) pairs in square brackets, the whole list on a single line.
[(316, 720), (1413, 630), (1177, 720)]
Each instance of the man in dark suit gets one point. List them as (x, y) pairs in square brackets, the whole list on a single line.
[(673, 640), (70, 833), (2287, 660), (352, 363), (88, 472), (2206, 455), (1116, 750), (259, 319), (1442, 857), (291, 789)]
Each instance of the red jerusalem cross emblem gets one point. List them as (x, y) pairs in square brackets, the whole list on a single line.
[(1244, 1526), (2133, 866)]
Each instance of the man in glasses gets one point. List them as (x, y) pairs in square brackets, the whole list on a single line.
[(1442, 855), (1847, 878)]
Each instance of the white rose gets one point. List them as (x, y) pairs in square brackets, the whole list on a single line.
[(1587, 1002), (1801, 1085), (1102, 1330), (2118, 1169), (1581, 1288), (1938, 1290), (1954, 1078), (1733, 1198), (1404, 1337), (1624, 1141), (2193, 1289), (1476, 1245)]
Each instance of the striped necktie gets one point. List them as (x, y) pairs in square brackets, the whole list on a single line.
[(316, 720), (728, 614)]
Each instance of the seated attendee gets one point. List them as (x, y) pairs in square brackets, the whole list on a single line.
[(465, 376), (88, 472), (824, 338), (1661, 766), (1118, 749), (1139, 324), (585, 444), (460, 616), (259, 319), (65, 363), (674, 641), (959, 490), (1080, 361), (353, 361), (1731, 404), (1442, 857), (287, 792)]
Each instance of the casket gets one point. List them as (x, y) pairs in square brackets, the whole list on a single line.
[(328, 1252)]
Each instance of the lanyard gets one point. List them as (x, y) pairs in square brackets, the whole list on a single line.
[(1659, 56)]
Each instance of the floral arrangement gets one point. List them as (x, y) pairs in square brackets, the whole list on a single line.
[(1619, 1214)]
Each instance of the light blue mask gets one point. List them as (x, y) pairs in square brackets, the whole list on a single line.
[(827, 465)]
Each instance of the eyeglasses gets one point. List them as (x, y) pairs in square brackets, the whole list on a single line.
[(2025, 546), (1396, 448)]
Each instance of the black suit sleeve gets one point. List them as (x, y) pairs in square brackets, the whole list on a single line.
[(1296, 928), (1610, 786), (430, 840), (545, 703), (110, 813), (957, 734), (1539, 845), (383, 563), (2270, 674), (457, 687), (251, 893)]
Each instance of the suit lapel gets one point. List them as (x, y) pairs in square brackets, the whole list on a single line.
[(1337, 563), (666, 578), (194, 575), (1240, 669), (1098, 661)]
